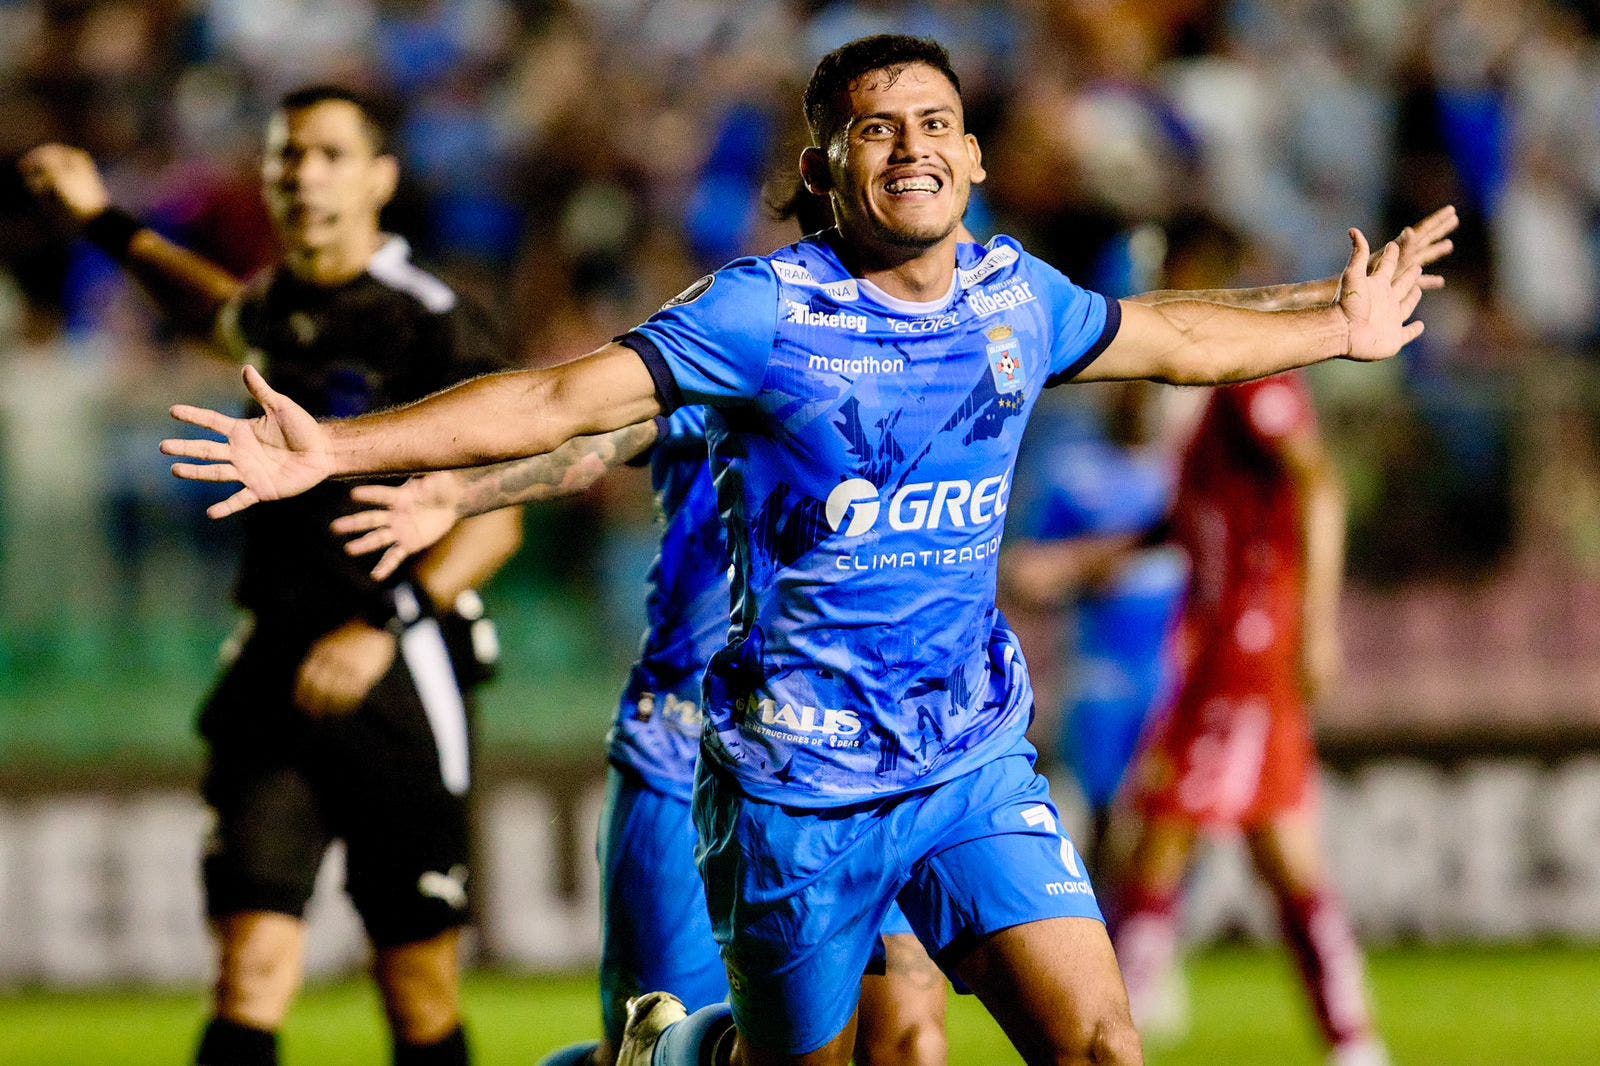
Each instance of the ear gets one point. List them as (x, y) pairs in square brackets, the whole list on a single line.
[(814, 171), (385, 178), (976, 155)]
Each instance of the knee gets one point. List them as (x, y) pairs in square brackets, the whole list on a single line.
[(918, 1043), (1112, 1040), (256, 982)]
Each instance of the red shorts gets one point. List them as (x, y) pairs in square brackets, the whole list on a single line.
[(1235, 750)]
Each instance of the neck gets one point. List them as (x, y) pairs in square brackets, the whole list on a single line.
[(334, 264), (915, 274)]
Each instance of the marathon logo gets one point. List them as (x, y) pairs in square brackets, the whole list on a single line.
[(866, 365), (986, 302), (991, 265), (801, 315)]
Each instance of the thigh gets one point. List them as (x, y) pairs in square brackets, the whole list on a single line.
[(903, 1006), (655, 932), (797, 899), (406, 828), (421, 987), (1055, 989), (268, 833)]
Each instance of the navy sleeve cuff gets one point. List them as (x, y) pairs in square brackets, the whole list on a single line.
[(1107, 334), (643, 458), (666, 386)]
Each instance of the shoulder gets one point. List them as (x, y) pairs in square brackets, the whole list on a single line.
[(393, 268)]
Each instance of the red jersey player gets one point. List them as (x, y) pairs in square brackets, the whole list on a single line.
[(1261, 514), (1260, 511)]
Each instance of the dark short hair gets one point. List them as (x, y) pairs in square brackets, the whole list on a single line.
[(840, 68), (374, 116)]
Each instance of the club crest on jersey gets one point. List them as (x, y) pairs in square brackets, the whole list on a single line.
[(1005, 360)]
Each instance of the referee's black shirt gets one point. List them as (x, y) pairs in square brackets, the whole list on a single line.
[(392, 335)]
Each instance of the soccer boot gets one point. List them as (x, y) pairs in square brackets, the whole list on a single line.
[(648, 1017)]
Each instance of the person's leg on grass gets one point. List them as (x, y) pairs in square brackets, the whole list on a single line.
[(655, 932), (1287, 854), (421, 988), (260, 963), (1054, 988), (1146, 922)]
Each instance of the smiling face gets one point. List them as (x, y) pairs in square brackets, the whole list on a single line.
[(323, 180), (902, 166)]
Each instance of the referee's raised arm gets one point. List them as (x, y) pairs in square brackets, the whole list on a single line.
[(191, 290)]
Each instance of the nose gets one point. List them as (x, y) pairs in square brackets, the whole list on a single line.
[(910, 143)]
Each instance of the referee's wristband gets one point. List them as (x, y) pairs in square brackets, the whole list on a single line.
[(112, 231)]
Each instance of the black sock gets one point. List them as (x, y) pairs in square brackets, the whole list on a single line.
[(451, 1050), (227, 1043)]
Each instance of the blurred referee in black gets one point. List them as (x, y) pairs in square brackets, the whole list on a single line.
[(343, 713)]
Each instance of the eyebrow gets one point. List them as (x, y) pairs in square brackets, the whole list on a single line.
[(924, 113)]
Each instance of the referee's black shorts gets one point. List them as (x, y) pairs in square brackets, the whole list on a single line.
[(390, 779)]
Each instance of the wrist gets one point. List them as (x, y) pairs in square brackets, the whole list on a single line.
[(112, 230)]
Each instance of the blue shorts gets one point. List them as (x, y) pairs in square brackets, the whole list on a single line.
[(655, 931), (798, 896)]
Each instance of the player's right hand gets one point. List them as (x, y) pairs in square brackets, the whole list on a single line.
[(282, 453), (67, 179), (406, 519)]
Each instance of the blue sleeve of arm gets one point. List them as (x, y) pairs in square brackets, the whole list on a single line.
[(711, 344), (1085, 322)]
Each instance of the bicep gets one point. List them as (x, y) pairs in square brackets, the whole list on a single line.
[(1144, 347), (607, 390)]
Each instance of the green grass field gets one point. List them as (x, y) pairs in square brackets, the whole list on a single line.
[(1437, 1008)]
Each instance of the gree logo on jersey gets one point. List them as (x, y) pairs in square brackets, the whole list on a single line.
[(801, 315), (919, 505), (986, 302)]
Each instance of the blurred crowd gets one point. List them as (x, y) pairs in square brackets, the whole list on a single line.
[(575, 162)]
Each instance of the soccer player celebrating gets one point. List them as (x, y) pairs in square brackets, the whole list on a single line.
[(343, 714), (868, 388), (655, 932)]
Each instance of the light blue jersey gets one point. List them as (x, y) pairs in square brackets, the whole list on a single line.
[(1119, 669), (658, 724), (862, 449)]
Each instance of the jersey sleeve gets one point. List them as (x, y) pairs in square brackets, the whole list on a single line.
[(711, 343), (1084, 323)]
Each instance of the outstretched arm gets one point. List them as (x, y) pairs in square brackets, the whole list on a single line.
[(411, 517), (190, 289), (1189, 342), (489, 419), (1423, 244)]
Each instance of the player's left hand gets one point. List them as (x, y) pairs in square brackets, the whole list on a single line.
[(282, 453), (1424, 244), (341, 669), (406, 519), (1377, 304)]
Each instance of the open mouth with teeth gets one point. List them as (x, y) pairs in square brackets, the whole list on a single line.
[(919, 184)]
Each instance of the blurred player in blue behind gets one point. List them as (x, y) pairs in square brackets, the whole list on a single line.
[(1104, 488), (865, 720)]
